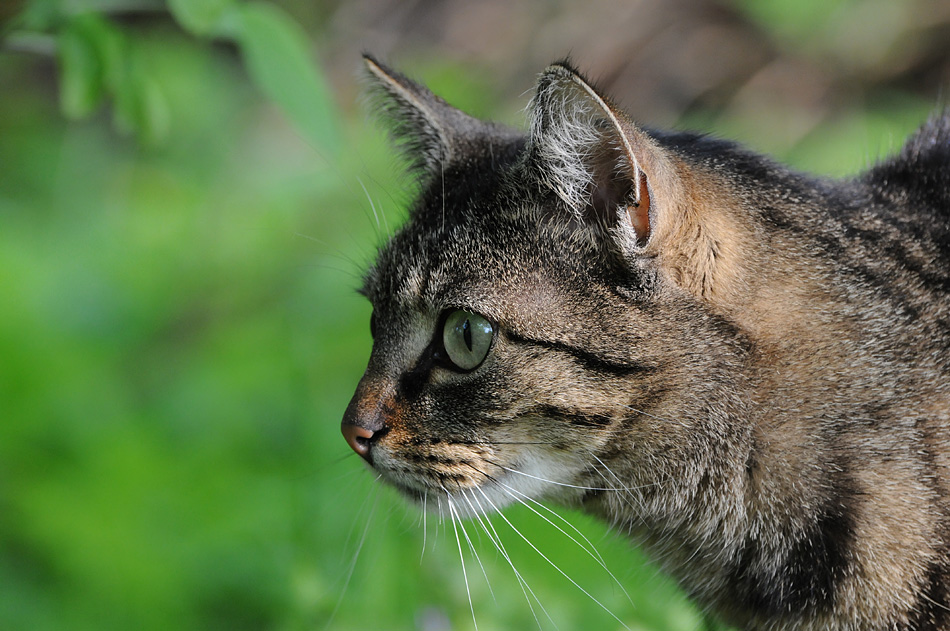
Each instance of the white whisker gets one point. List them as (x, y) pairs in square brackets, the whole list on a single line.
[(352, 566), (442, 175), (570, 486), (592, 552), (636, 502), (475, 553), (525, 588), (372, 206), (461, 558), (556, 567), (425, 525)]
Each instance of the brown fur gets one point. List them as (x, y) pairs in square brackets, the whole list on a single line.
[(754, 361)]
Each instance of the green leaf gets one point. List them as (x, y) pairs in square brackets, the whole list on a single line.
[(141, 107), (200, 17), (279, 61), (36, 15), (111, 48), (80, 79), (154, 116)]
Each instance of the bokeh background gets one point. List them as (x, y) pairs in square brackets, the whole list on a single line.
[(188, 194)]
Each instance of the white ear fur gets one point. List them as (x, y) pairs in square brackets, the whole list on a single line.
[(585, 153)]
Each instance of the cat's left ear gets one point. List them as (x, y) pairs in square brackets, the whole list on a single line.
[(431, 133), (605, 169)]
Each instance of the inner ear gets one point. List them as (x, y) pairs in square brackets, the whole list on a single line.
[(619, 187), (589, 154), (638, 212)]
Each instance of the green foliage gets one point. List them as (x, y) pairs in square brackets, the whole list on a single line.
[(99, 60), (82, 83), (202, 17), (275, 50), (179, 336)]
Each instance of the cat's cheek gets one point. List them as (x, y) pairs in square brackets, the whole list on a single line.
[(418, 464)]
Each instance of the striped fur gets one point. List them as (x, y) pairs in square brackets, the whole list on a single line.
[(754, 361)]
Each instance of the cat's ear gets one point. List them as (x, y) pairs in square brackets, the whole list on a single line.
[(598, 162), (645, 202), (429, 131)]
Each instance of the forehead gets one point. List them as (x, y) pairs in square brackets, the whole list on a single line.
[(471, 261)]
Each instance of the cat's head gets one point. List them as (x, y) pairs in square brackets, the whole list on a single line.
[(540, 309)]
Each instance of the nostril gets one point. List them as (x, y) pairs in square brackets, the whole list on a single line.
[(358, 438)]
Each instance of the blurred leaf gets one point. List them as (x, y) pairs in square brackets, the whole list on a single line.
[(111, 48), (154, 117), (140, 106), (201, 17), (279, 61), (80, 79), (142, 109), (36, 15), (797, 21), (97, 60)]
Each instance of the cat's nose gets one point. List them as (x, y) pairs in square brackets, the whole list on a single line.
[(365, 419), (358, 438)]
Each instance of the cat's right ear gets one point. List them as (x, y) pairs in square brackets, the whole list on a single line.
[(639, 200), (427, 129), (597, 161)]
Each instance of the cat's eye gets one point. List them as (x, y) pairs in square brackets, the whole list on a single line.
[(467, 338)]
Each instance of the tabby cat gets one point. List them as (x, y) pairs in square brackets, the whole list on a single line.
[(743, 367)]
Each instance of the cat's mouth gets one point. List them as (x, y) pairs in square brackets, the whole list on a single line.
[(418, 475), (476, 483), (471, 480)]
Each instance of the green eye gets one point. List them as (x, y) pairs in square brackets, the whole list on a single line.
[(467, 337)]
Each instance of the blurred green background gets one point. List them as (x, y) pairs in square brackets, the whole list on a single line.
[(188, 195)]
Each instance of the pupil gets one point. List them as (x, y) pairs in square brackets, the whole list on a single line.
[(467, 334)]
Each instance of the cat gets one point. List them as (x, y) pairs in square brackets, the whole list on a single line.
[(743, 368)]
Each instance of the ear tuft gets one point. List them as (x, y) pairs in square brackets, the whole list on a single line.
[(585, 152)]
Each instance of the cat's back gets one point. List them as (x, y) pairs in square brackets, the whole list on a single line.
[(917, 179), (909, 196), (894, 240)]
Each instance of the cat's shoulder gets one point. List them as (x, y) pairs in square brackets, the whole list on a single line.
[(931, 143), (917, 178)]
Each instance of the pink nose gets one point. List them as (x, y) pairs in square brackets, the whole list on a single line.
[(358, 438)]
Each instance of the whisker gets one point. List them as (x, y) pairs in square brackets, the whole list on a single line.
[(475, 552), (374, 495), (592, 552), (461, 558), (556, 567), (303, 473), (499, 442), (540, 479), (624, 489), (352, 567), (636, 501), (525, 588), (371, 205), (425, 526), (442, 168), (441, 517)]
